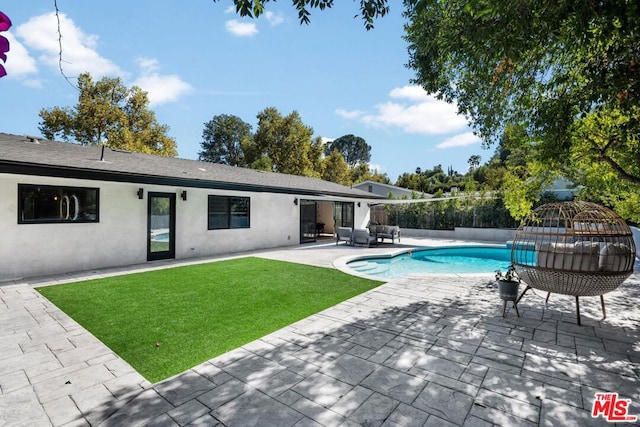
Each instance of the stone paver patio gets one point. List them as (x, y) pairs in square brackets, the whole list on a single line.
[(417, 351)]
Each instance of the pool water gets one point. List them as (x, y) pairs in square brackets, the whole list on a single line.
[(449, 260)]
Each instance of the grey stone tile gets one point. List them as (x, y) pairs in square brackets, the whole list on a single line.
[(13, 381), (351, 401), (408, 416), (349, 369), (206, 420), (140, 411), (360, 351), (398, 385), (372, 338), (520, 388), (374, 411), (289, 397), (279, 383), (62, 411), (473, 421), (255, 408), (508, 404), (307, 422), (71, 383), (94, 403), (163, 420), (555, 414), (22, 408), (188, 412), (441, 366), (322, 389), (499, 418), (318, 413), (435, 421), (179, 389), (253, 369), (223, 393), (445, 403)]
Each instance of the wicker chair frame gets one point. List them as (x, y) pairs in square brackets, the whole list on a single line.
[(573, 248)]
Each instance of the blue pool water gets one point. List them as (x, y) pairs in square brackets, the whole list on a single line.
[(449, 260)]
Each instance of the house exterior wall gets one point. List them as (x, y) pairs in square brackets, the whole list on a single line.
[(120, 236)]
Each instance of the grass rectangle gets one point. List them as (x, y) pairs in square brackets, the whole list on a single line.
[(198, 312)]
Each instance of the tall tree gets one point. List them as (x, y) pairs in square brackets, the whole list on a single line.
[(353, 148), (109, 112), (222, 140), (336, 169), (285, 140), (549, 68)]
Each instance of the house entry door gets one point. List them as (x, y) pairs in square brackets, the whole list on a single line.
[(161, 226)]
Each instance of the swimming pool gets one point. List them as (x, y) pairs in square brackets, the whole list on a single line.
[(447, 260)]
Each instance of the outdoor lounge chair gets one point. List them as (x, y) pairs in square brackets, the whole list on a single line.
[(361, 236), (344, 234)]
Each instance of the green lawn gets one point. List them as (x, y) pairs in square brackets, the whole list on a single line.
[(198, 312)]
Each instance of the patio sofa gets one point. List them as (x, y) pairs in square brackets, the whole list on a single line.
[(362, 236), (385, 232)]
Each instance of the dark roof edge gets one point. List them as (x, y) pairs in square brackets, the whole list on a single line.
[(99, 175)]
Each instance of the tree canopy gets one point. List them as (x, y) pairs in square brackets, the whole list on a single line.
[(109, 112), (565, 73), (353, 148), (222, 140)]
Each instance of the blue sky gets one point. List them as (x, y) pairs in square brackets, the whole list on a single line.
[(198, 59)]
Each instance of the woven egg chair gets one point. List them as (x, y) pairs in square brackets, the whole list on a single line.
[(573, 248)]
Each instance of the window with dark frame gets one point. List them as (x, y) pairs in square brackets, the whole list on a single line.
[(228, 212), (38, 204)]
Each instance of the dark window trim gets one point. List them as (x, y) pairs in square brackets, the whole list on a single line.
[(228, 199), (21, 187)]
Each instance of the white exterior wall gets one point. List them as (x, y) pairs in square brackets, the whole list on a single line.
[(120, 238)]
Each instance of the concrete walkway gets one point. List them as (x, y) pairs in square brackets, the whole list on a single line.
[(417, 351)]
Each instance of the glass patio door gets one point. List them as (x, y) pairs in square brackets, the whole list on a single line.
[(343, 214), (308, 221), (161, 226)]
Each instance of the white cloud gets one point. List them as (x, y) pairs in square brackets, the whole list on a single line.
[(241, 29), (346, 114), (325, 140), (19, 63), (274, 18), (414, 112), (148, 65), (79, 53), (461, 140), (413, 93), (230, 9), (160, 88)]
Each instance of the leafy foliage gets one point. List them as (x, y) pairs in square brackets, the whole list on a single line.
[(565, 74), (107, 111), (222, 140), (369, 9), (353, 148)]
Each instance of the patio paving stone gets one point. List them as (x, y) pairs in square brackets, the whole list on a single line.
[(255, 408), (349, 369), (395, 384), (445, 403), (414, 351)]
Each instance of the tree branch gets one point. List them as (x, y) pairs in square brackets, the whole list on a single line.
[(55, 4), (619, 169)]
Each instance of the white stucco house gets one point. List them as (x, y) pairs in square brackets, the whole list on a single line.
[(67, 207)]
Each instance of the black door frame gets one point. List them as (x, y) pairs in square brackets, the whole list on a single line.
[(305, 225), (171, 253)]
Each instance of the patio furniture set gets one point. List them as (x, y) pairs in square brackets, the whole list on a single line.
[(367, 236)]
